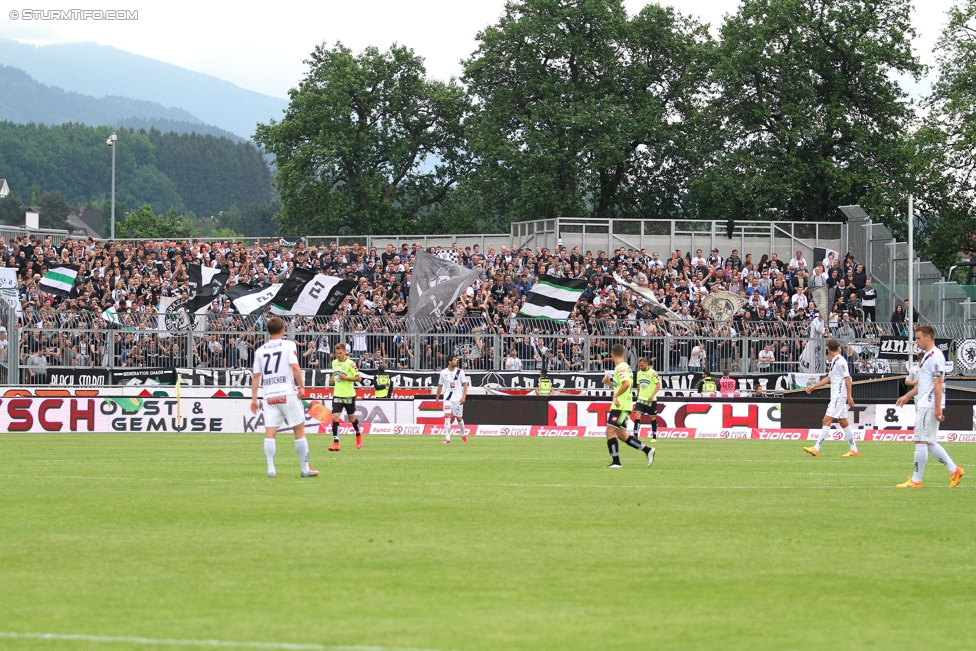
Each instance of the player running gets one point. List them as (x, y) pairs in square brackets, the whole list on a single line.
[(455, 383), (344, 378), (929, 397), (276, 369), (648, 384), (623, 404), (841, 397)]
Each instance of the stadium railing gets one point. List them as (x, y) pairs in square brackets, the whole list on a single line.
[(85, 340)]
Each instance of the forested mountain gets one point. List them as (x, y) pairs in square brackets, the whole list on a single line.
[(24, 99), (100, 70), (188, 172)]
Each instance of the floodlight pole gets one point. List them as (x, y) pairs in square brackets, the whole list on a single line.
[(911, 277), (111, 143)]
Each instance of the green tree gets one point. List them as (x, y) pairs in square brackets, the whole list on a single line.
[(254, 220), (144, 223), (54, 210), (11, 212), (810, 112), (584, 111), (367, 142), (948, 139)]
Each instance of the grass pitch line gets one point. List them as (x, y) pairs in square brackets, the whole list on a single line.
[(219, 644)]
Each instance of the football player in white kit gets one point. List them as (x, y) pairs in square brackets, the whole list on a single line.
[(841, 397), (276, 370), (929, 397), (454, 383)]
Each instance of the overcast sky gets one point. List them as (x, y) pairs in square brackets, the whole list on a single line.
[(262, 46)]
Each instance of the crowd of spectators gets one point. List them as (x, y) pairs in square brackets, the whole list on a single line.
[(768, 333)]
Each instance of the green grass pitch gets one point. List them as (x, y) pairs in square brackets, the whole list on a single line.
[(497, 544)]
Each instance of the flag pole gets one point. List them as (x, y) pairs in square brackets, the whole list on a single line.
[(911, 277)]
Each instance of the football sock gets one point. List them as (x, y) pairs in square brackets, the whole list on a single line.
[(301, 447), (921, 456), (269, 452), (335, 431), (447, 429), (355, 426), (612, 446), (461, 425), (849, 433), (654, 425), (637, 427), (635, 443), (824, 433), (939, 453)]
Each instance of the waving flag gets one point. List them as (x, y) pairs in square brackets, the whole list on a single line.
[(205, 285), (553, 298), (306, 293), (435, 284), (657, 308), (251, 299), (60, 280)]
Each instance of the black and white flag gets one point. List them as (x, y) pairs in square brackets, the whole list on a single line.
[(435, 284), (657, 308), (305, 293), (553, 298), (60, 280), (251, 299), (722, 306), (205, 285)]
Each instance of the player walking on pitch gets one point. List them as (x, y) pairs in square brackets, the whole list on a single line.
[(276, 369), (343, 379), (623, 404), (841, 397), (648, 384), (929, 404), (454, 383)]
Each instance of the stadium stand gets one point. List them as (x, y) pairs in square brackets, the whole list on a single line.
[(768, 334)]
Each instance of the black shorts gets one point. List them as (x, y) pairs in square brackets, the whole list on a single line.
[(618, 418), (338, 404), (647, 408)]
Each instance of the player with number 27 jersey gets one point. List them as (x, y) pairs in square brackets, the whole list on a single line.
[(273, 361)]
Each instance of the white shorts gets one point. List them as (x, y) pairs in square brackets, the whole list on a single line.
[(926, 426), (454, 408), (284, 415), (837, 408)]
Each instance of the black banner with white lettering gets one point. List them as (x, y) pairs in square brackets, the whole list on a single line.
[(898, 347), (73, 376), (143, 376)]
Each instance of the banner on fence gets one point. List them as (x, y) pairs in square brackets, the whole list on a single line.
[(898, 347)]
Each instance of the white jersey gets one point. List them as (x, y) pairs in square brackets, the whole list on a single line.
[(838, 385), (452, 383), (273, 361), (931, 367), (912, 374)]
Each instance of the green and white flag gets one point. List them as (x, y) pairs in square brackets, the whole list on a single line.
[(111, 316), (60, 280), (553, 298)]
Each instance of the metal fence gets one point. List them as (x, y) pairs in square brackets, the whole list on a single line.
[(47, 340), (665, 236), (936, 299)]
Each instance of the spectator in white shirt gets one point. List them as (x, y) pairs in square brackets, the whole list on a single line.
[(798, 262), (512, 362)]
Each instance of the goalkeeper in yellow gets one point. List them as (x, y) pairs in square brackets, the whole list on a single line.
[(623, 404), (648, 384), (344, 376)]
